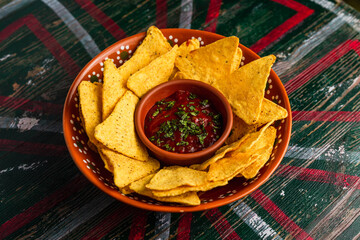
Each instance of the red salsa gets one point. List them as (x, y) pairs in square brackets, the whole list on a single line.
[(183, 123)]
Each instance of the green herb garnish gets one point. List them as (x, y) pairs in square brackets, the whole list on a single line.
[(192, 96), (156, 112), (204, 102)]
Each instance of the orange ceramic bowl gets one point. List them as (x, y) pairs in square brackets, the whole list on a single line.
[(92, 166), (204, 91)]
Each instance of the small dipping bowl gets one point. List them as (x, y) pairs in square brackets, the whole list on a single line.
[(203, 90)]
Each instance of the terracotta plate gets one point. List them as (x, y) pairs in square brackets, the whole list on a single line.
[(92, 166)]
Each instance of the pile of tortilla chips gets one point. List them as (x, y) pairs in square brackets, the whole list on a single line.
[(107, 114)]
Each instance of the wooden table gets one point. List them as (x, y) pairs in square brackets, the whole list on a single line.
[(314, 194)]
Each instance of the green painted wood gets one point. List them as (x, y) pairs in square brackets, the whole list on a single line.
[(44, 196)]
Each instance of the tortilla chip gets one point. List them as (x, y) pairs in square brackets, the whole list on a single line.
[(153, 46), (90, 107), (219, 154), (210, 63), (117, 132), (239, 129), (113, 89), (184, 189), (228, 167), (176, 176), (264, 154), (189, 198), (178, 75), (237, 60), (157, 72), (252, 141), (245, 88), (270, 111), (242, 145), (127, 170), (126, 190), (92, 146), (186, 47), (107, 163), (251, 150)]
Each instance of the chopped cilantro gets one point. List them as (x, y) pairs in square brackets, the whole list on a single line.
[(170, 104), (202, 137), (192, 96), (167, 147), (204, 102), (160, 102), (182, 143), (194, 113), (192, 108), (156, 112)]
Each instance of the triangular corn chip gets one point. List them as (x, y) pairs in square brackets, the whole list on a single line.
[(220, 154), (270, 111), (189, 198), (245, 88), (239, 129), (184, 189), (252, 139), (234, 163), (264, 155), (157, 72), (153, 46), (127, 170), (228, 167), (117, 132), (237, 60), (176, 176), (242, 145), (186, 47), (113, 89), (90, 107), (210, 63)]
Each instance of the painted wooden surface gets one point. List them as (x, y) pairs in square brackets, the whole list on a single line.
[(315, 193)]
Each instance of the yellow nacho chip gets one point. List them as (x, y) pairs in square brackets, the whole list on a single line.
[(90, 107), (219, 154), (184, 189), (242, 145), (228, 167), (186, 47), (178, 75), (234, 163), (189, 198), (210, 63), (153, 46), (113, 89), (270, 111), (245, 88), (127, 170), (158, 71), (237, 60), (264, 154), (176, 176), (251, 141), (239, 129), (117, 132)]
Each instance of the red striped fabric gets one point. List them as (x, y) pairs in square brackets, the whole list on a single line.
[(42, 206), (279, 216), (302, 13), (212, 15), (46, 38), (109, 24), (222, 226)]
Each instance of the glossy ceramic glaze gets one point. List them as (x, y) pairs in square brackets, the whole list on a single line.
[(92, 167), (202, 90)]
